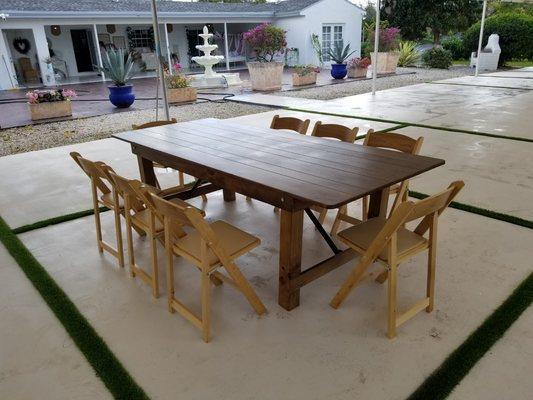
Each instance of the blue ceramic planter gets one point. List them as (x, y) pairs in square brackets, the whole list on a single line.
[(121, 96), (338, 71)]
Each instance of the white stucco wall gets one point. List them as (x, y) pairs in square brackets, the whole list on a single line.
[(299, 29)]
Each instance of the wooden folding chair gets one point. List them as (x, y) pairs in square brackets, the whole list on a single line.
[(208, 246), (290, 123), (332, 131), (152, 124), (102, 194), (388, 241), (391, 141)]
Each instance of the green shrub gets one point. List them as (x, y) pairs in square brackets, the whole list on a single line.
[(454, 44), (437, 58), (516, 36), (409, 55)]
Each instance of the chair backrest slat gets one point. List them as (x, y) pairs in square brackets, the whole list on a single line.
[(290, 123), (93, 171), (335, 131), (394, 141), (152, 124)]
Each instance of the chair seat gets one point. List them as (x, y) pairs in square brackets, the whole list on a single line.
[(141, 219), (107, 199), (361, 236), (235, 241)]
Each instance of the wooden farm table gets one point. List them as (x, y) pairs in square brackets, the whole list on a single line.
[(285, 169)]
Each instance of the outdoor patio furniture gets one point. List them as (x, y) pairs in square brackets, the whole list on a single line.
[(209, 246), (332, 131), (292, 172), (290, 123), (388, 241), (489, 56), (391, 141), (29, 73)]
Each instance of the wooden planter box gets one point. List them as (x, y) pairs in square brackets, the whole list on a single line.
[(357, 72), (182, 95), (301, 80), (53, 109), (387, 62), (266, 76)]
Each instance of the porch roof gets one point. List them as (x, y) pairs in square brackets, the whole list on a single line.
[(138, 8)]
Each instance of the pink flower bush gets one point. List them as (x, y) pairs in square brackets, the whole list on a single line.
[(50, 96), (176, 67), (266, 40), (389, 39), (358, 62)]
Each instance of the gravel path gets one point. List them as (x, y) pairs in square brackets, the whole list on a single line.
[(43, 136), (420, 75)]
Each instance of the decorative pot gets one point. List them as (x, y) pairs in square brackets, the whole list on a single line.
[(300, 80), (387, 62), (121, 96), (357, 72), (266, 76), (338, 71), (54, 109), (182, 95)]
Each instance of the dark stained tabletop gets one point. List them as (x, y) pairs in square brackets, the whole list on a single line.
[(325, 172)]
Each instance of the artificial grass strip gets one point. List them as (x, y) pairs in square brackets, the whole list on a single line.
[(55, 220), (481, 211), (107, 367), (459, 363)]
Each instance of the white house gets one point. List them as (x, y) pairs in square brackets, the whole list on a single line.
[(44, 41)]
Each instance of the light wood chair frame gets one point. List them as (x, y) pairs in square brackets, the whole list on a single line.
[(98, 185), (428, 210), (184, 215), (387, 140), (290, 123)]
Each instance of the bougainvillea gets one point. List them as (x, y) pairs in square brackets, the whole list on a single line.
[(49, 96), (358, 62), (389, 39), (266, 41)]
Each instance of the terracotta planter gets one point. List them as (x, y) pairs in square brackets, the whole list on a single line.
[(387, 62), (357, 72), (182, 95), (301, 80), (53, 109), (266, 76)]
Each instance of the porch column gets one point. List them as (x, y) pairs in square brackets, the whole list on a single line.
[(168, 49), (41, 46), (8, 77), (226, 44), (98, 54)]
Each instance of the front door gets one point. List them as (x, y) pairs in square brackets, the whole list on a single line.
[(82, 50), (331, 35)]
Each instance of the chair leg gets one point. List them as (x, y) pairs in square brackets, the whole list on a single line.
[(365, 208), (97, 221), (381, 278), (432, 258), (337, 222), (170, 279), (352, 281), (155, 272), (204, 198), (181, 178), (129, 238), (118, 232), (322, 215), (245, 287), (391, 331), (206, 306)]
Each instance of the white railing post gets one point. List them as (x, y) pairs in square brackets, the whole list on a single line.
[(98, 53), (481, 31), (376, 45)]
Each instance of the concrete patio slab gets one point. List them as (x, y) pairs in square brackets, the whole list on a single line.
[(42, 184), (274, 100), (505, 371), (490, 81), (497, 172), (264, 119), (519, 73), (38, 358), (312, 352)]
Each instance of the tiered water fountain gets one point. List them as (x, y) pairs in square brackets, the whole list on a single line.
[(210, 79)]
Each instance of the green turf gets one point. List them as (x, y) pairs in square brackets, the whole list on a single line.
[(107, 367), (459, 363)]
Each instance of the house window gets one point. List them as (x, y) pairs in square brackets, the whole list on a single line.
[(331, 35), (141, 38)]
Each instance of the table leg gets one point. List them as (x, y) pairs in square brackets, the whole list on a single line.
[(228, 195), (290, 258), (146, 169), (379, 200)]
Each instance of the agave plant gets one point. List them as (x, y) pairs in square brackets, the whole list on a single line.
[(117, 66), (409, 55), (340, 54)]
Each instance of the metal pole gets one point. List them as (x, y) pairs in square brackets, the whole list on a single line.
[(168, 50), (226, 45), (481, 35), (98, 54), (159, 58), (376, 45)]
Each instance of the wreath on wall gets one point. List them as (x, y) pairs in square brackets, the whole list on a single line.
[(22, 45)]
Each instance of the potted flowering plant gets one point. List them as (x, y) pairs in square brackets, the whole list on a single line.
[(46, 104), (388, 51), (357, 67), (178, 88), (266, 41), (304, 75), (120, 68), (339, 55)]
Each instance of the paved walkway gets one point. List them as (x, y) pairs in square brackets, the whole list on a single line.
[(312, 352)]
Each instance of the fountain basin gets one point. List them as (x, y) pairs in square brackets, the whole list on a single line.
[(202, 81)]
